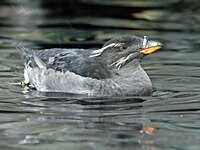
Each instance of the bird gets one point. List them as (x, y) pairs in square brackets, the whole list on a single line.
[(112, 70)]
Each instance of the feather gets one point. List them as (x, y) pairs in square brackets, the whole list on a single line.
[(39, 62), (98, 52)]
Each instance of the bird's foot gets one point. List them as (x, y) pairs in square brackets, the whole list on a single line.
[(25, 83)]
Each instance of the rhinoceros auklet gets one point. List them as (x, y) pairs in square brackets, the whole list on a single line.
[(111, 70)]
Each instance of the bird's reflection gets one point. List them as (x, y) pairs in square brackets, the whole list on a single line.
[(121, 118)]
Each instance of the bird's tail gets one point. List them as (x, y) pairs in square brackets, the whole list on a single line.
[(21, 50), (25, 53), (29, 57)]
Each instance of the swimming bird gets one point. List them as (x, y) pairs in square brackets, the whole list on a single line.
[(112, 70)]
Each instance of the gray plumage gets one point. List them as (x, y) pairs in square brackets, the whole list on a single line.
[(112, 70)]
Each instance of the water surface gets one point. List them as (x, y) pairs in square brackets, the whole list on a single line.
[(167, 120)]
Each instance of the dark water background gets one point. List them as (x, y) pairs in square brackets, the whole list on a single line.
[(77, 123)]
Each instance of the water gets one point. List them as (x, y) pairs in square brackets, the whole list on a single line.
[(167, 120)]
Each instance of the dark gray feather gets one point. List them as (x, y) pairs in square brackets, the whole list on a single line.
[(73, 60)]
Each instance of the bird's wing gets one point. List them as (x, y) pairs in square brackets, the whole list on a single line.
[(73, 60)]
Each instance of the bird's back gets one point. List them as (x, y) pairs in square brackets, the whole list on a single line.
[(77, 61)]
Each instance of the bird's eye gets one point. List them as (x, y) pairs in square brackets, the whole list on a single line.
[(123, 47)]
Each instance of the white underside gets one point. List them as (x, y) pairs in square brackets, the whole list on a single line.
[(49, 80)]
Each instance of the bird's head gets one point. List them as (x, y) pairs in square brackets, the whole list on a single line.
[(124, 49)]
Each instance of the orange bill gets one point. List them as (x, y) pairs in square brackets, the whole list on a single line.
[(150, 50), (151, 46)]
